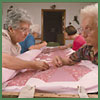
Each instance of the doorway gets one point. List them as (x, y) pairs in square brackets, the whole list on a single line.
[(53, 23)]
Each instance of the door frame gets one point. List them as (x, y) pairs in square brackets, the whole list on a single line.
[(53, 10)]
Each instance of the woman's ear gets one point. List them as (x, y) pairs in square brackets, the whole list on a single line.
[(10, 29)]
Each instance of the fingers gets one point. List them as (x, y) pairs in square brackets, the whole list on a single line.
[(44, 43), (45, 66), (42, 65), (57, 61)]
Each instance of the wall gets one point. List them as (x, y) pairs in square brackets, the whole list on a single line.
[(34, 9)]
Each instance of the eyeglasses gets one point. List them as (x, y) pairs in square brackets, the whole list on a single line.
[(86, 30), (23, 29)]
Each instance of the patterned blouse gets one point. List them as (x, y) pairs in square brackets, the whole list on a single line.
[(85, 53)]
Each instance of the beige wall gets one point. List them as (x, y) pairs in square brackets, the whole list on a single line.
[(34, 9)]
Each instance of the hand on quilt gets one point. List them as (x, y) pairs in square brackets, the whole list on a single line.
[(60, 61), (40, 65)]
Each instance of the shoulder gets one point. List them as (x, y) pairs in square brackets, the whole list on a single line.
[(29, 36), (5, 34), (6, 40), (80, 38)]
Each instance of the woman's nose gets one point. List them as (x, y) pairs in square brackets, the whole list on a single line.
[(84, 34)]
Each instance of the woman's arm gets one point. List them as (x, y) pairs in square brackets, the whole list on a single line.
[(65, 46), (38, 46), (59, 61), (12, 62)]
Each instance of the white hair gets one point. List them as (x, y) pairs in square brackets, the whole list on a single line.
[(15, 16), (35, 28), (90, 11)]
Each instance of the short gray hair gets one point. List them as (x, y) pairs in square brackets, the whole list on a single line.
[(35, 28), (90, 10), (15, 16)]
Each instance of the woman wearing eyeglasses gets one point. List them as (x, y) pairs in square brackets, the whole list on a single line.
[(17, 26), (29, 42), (89, 29)]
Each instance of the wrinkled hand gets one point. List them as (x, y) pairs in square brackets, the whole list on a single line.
[(58, 61), (44, 43), (40, 65)]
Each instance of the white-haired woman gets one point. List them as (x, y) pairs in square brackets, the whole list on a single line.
[(29, 42), (35, 30), (89, 28), (16, 28)]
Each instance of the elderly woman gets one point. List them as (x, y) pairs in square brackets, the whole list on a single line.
[(17, 26), (35, 30), (29, 42), (89, 28)]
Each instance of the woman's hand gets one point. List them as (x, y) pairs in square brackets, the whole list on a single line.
[(40, 65), (44, 43), (58, 61)]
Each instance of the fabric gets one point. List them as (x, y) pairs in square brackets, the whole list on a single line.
[(29, 55), (63, 74), (8, 46), (78, 42), (58, 80), (67, 87), (27, 92), (29, 41), (53, 74), (8, 74), (85, 53)]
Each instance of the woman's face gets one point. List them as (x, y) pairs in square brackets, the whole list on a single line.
[(90, 31), (69, 37), (19, 34)]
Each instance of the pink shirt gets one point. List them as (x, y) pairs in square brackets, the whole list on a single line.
[(78, 42)]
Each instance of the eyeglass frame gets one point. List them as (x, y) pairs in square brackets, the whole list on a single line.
[(86, 30)]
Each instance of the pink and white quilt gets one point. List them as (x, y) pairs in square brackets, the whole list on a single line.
[(58, 80)]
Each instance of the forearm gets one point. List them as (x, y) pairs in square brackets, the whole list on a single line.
[(65, 46), (14, 63), (37, 46)]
